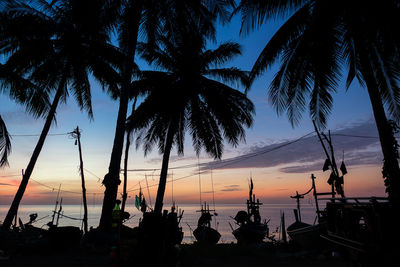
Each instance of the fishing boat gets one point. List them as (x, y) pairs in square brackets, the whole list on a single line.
[(204, 233), (251, 230), (303, 234), (306, 235)]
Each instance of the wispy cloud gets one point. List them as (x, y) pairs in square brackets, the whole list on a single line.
[(231, 188), (357, 142)]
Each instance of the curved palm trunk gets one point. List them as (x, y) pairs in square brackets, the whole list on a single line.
[(164, 170), (12, 212), (111, 179), (391, 171)]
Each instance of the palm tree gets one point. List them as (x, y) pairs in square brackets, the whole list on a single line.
[(151, 18), (5, 144), (184, 97), (320, 39), (56, 45), (25, 93)]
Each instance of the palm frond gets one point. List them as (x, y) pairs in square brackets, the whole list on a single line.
[(287, 34), (256, 12), (222, 54), (5, 144), (233, 76)]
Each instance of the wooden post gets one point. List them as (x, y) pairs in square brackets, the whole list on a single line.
[(315, 196), (328, 157), (297, 197), (55, 208), (333, 161), (283, 227), (59, 212), (85, 212)]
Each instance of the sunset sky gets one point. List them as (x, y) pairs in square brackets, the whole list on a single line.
[(277, 174)]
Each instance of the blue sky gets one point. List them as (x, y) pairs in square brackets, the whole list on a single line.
[(59, 159)]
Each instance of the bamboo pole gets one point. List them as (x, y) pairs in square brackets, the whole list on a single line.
[(77, 135)]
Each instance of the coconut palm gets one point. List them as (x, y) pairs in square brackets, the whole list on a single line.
[(24, 92), (184, 97), (321, 39), (5, 144), (149, 19), (56, 46)]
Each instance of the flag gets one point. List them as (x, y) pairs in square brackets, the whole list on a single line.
[(332, 178), (326, 165), (138, 199), (343, 168), (138, 202)]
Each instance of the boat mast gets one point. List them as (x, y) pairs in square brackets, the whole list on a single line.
[(327, 156), (55, 208)]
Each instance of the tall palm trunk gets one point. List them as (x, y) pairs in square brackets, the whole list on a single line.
[(391, 171), (111, 179), (164, 170), (127, 146), (12, 212)]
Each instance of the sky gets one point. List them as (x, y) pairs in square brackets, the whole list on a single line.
[(273, 155)]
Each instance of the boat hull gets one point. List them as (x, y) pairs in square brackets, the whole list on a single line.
[(251, 233), (305, 235), (206, 235)]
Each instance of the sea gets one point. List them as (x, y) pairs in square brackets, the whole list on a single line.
[(223, 221)]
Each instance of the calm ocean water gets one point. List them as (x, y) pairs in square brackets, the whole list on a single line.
[(188, 223)]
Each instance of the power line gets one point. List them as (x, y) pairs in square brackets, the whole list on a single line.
[(61, 190), (19, 135), (11, 175)]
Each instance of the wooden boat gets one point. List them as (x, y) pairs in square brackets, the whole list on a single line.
[(363, 225), (306, 235), (204, 234), (251, 230), (303, 234), (173, 222)]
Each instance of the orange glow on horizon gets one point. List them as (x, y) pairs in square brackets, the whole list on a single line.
[(230, 186)]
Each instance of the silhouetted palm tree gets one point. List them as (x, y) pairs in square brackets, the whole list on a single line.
[(150, 19), (24, 92), (184, 97), (319, 40), (5, 144), (57, 46)]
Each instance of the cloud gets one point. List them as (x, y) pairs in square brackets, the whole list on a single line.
[(359, 143), (6, 184), (231, 188)]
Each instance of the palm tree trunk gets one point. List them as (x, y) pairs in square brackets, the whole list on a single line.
[(164, 170), (128, 144), (391, 171), (12, 212), (111, 179)]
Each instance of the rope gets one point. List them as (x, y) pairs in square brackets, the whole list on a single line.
[(72, 218), (306, 192)]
